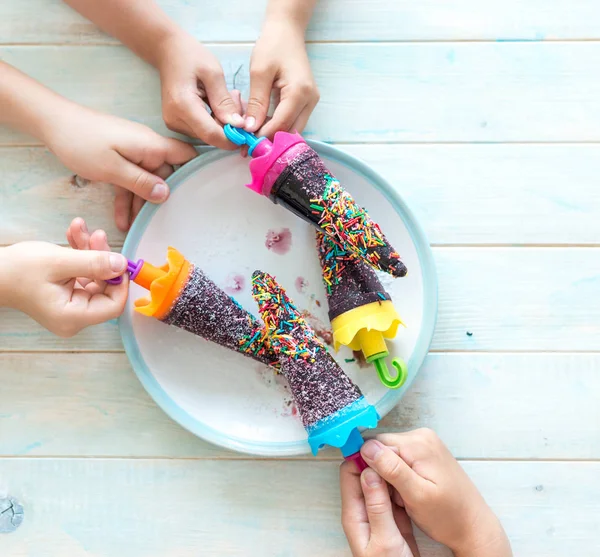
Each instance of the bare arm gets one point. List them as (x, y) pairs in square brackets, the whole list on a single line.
[(296, 12), (141, 25), (190, 74), (95, 146), (279, 61), (27, 105)]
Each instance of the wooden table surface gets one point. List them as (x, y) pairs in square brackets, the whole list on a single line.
[(486, 116)]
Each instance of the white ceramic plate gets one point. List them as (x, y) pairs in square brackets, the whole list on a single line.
[(222, 227)]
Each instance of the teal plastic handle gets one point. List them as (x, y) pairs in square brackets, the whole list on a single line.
[(241, 137)]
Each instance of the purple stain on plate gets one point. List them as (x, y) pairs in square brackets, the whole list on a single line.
[(234, 284), (279, 241), (301, 285)]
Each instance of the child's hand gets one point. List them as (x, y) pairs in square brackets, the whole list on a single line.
[(104, 148), (436, 493), (374, 525), (191, 77), (279, 61), (63, 289)]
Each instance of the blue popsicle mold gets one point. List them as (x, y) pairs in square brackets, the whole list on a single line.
[(341, 429)]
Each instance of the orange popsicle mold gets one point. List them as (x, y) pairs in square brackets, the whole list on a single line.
[(164, 283)]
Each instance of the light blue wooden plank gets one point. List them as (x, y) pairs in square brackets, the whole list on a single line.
[(518, 299), (172, 508), (462, 194), (525, 299), (513, 406), (39, 197), (334, 20), (426, 92)]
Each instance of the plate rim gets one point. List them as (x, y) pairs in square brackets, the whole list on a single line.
[(387, 402)]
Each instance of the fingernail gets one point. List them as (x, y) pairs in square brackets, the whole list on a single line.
[(250, 123), (371, 477), (371, 449), (83, 227), (117, 262), (237, 121), (159, 192)]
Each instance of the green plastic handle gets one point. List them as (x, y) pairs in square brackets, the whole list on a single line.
[(384, 374)]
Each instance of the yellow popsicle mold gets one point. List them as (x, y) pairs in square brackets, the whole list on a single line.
[(365, 327), (164, 283)]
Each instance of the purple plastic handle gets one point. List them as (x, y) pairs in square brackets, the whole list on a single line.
[(132, 268)]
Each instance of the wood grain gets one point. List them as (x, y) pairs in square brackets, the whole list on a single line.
[(334, 20), (510, 299), (461, 194), (174, 508), (414, 92), (484, 406)]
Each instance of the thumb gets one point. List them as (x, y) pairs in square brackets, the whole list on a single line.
[(391, 468), (261, 83), (220, 101), (139, 181), (95, 265), (379, 509), (178, 152)]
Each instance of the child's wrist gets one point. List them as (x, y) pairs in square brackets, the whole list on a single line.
[(49, 122), (487, 539), (281, 24), (170, 43)]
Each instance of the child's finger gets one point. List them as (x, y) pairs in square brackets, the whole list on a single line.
[(236, 95), (123, 201), (286, 113), (406, 529), (261, 83), (224, 107), (177, 152), (99, 241), (379, 507), (95, 265), (99, 308), (164, 171), (302, 120), (79, 238), (392, 468), (70, 239), (79, 234), (137, 180), (202, 125), (355, 521), (136, 207)]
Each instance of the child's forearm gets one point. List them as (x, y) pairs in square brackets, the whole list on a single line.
[(488, 540), (296, 12), (141, 25), (27, 105)]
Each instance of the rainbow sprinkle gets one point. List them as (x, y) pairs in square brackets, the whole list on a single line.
[(350, 225), (289, 334), (257, 343), (334, 259)]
